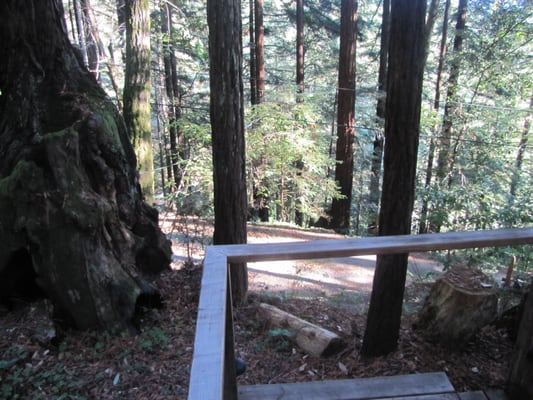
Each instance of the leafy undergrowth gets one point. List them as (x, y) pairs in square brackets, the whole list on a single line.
[(155, 364)]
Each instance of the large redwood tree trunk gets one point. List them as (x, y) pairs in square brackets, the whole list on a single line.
[(137, 91), (374, 188), (341, 207), (402, 123), (70, 199), (227, 131)]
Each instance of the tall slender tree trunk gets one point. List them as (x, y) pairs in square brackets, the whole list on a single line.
[(299, 217), (374, 189), (121, 19), (445, 158), (95, 48), (80, 28), (341, 207), (173, 98), (443, 161), (253, 71), (300, 51), (227, 126), (137, 90), (402, 124), (430, 23), (259, 51), (261, 202), (423, 227), (519, 159), (69, 193)]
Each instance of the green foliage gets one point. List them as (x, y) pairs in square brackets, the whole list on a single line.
[(279, 339), (495, 88), (152, 339), (288, 143), (287, 159), (61, 382)]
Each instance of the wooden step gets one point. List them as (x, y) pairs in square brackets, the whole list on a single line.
[(487, 394), (428, 386), (477, 395)]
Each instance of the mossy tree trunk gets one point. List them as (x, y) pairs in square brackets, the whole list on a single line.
[(137, 90), (69, 192)]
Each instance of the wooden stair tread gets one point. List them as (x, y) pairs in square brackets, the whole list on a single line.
[(384, 387), (477, 395)]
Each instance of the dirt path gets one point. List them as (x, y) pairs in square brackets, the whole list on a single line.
[(346, 279)]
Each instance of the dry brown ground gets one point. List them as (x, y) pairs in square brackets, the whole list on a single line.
[(155, 364)]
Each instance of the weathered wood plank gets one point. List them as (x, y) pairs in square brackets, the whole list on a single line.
[(207, 370), (477, 395), (230, 373), (352, 389), (328, 248), (208, 367), (496, 394), (440, 396)]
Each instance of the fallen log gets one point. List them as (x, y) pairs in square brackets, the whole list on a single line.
[(313, 339)]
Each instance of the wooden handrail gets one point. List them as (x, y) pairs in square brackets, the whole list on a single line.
[(212, 378)]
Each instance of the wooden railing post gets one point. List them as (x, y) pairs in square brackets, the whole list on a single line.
[(213, 374), (230, 376)]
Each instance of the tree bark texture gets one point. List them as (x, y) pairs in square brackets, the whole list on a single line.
[(251, 28), (425, 223), (374, 188), (383, 60), (137, 90), (300, 54), (259, 52), (227, 130), (69, 193), (341, 207), (176, 139), (92, 40), (405, 75), (451, 107), (460, 303), (519, 159)]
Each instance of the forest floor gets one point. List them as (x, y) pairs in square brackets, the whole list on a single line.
[(37, 362)]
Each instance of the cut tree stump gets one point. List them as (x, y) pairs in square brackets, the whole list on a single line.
[(460, 303), (313, 339)]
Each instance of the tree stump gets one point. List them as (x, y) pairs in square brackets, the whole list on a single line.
[(312, 338), (459, 304)]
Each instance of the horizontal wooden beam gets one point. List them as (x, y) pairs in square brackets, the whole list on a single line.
[(208, 369), (329, 248)]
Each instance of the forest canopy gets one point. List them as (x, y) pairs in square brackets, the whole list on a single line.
[(475, 176)]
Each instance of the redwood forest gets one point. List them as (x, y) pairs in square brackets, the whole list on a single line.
[(137, 134)]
